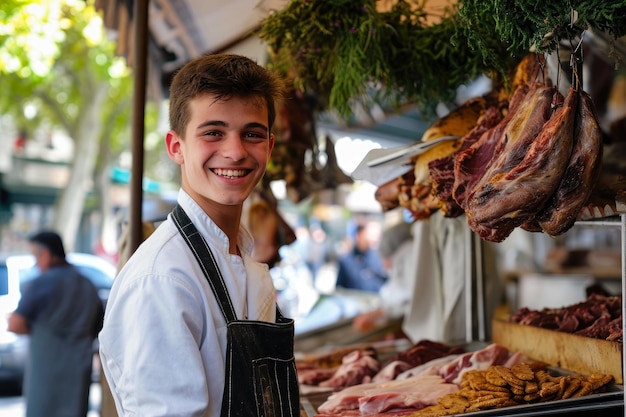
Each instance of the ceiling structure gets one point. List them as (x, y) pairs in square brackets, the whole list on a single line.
[(158, 36), (180, 30)]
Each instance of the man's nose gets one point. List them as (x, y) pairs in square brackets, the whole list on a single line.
[(234, 148)]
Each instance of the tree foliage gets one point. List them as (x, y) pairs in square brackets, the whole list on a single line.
[(55, 58), (52, 53)]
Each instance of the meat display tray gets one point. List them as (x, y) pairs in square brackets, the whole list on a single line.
[(613, 399), (601, 401)]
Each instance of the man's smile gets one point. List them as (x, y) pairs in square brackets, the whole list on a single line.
[(231, 173)]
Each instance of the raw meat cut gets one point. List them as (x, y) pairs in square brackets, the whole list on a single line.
[(417, 196), (599, 317), (356, 368), (416, 393), (428, 368), (418, 354), (438, 378), (371, 398), (391, 370), (387, 194), (493, 354)]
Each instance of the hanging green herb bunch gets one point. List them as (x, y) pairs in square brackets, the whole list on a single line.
[(529, 24), (343, 50)]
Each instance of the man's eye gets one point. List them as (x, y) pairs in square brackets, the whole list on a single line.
[(254, 135)]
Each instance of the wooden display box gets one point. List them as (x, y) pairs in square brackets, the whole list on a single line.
[(574, 353)]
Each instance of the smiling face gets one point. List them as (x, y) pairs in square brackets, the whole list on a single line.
[(225, 150)]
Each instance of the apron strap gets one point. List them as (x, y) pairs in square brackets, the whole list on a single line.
[(206, 260)]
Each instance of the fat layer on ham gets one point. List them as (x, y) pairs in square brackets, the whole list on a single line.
[(371, 398), (417, 392)]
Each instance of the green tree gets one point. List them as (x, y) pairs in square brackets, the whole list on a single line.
[(55, 57)]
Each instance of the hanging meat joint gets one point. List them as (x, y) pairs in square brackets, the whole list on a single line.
[(535, 150), (581, 173), (532, 160)]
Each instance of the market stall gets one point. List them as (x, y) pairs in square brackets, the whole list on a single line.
[(355, 58), (538, 152)]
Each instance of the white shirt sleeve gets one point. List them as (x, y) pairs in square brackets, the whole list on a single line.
[(151, 347)]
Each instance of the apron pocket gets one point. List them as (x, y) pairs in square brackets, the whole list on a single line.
[(272, 390)]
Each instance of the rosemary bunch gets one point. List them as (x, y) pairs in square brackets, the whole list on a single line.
[(535, 24), (343, 50)]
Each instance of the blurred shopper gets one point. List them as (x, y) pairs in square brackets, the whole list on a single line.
[(62, 313), (361, 268), (191, 326)]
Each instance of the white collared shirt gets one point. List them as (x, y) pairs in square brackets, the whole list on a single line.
[(163, 343)]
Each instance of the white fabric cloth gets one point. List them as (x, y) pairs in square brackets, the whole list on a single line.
[(437, 309), (396, 293), (163, 343)]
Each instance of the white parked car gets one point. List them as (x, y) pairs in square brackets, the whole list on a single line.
[(16, 271)]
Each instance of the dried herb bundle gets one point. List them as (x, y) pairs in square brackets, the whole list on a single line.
[(353, 50), (538, 25)]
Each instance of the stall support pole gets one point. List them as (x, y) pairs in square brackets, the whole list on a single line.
[(469, 285), (479, 283), (475, 307), (623, 219), (140, 63)]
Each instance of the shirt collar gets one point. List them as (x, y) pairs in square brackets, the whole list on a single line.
[(209, 229)]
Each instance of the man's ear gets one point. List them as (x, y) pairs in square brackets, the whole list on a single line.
[(173, 146)]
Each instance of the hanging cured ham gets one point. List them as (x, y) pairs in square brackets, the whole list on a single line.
[(582, 171), (470, 164), (529, 168), (442, 169)]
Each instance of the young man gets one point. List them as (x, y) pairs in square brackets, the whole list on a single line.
[(62, 313), (192, 327)]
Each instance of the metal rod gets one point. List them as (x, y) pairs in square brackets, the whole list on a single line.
[(469, 286), (599, 223), (479, 279)]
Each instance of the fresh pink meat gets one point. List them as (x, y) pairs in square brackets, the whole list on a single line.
[(391, 370), (415, 393), (481, 359), (356, 368), (428, 368)]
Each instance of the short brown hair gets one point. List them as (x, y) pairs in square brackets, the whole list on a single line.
[(225, 76)]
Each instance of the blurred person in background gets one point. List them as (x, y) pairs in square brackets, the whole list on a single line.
[(62, 313), (361, 268)]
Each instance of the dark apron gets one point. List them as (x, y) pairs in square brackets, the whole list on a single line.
[(261, 377)]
